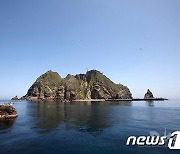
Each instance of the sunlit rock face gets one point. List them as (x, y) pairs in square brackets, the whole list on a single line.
[(92, 85)]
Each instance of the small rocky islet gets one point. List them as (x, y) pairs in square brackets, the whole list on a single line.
[(7, 112), (148, 95)]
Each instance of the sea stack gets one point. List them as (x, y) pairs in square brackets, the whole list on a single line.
[(148, 95)]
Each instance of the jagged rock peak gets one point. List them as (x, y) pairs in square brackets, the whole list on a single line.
[(93, 72), (51, 74), (69, 76), (148, 95)]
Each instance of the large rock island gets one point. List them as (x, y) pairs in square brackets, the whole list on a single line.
[(92, 85)]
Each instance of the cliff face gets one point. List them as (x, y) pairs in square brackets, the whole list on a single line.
[(92, 85)]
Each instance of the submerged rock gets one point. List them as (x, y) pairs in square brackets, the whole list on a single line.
[(92, 85), (148, 95), (7, 111)]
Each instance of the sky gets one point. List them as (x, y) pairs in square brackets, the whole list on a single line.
[(71, 36)]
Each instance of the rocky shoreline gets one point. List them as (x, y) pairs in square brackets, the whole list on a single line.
[(101, 100), (139, 99), (147, 97), (134, 99)]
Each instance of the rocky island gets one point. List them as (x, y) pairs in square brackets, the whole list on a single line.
[(92, 85)]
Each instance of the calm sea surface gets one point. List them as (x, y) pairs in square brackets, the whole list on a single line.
[(87, 127)]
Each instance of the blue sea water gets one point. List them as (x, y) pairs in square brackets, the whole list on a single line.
[(87, 127)]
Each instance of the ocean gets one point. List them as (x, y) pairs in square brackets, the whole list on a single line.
[(88, 127)]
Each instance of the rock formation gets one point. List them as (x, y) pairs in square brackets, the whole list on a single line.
[(15, 98), (148, 95), (7, 111), (92, 85)]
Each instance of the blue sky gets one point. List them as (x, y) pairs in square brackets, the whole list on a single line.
[(69, 36)]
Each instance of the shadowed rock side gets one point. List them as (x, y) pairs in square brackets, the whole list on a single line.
[(7, 111), (148, 95), (92, 85)]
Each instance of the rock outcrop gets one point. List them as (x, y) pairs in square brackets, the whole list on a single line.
[(15, 98), (148, 95), (92, 85), (7, 111)]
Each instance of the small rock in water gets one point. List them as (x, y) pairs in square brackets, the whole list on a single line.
[(7, 111), (148, 95)]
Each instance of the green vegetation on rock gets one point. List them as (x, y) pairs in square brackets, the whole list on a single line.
[(92, 85)]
